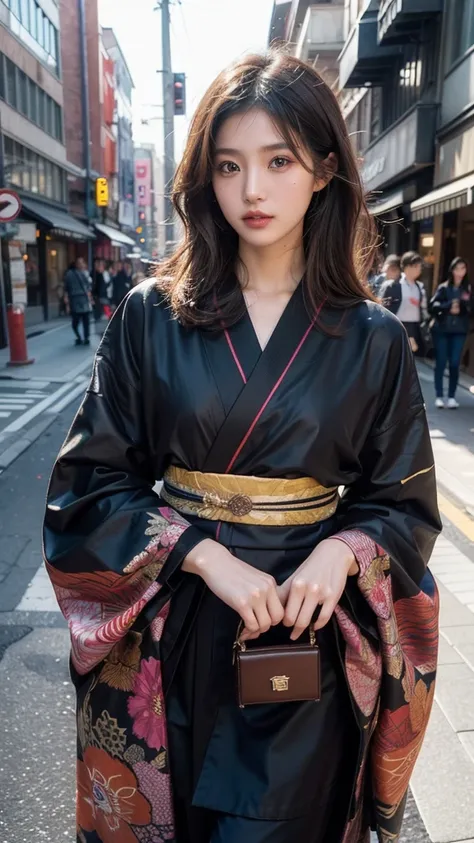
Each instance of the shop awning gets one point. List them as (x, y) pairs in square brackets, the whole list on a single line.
[(117, 238), (456, 194), (60, 222), (387, 203)]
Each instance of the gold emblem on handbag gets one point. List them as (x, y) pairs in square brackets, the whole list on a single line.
[(283, 673)]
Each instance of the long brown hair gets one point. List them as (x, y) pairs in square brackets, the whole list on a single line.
[(339, 243)]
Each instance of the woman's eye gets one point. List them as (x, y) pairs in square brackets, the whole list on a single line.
[(280, 162), (228, 167)]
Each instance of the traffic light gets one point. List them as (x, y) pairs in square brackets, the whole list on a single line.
[(179, 89)]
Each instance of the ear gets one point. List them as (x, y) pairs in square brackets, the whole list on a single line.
[(327, 168)]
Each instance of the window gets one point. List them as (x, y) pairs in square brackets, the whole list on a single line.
[(11, 83), (49, 115), (57, 192), (8, 158), (23, 93), (39, 27), (33, 168), (33, 114), (41, 109), (33, 23), (41, 176), (46, 34), (25, 13), (460, 29), (53, 42), (58, 123), (2, 77), (49, 179), (15, 8)]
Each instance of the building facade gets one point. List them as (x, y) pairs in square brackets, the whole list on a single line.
[(125, 152), (92, 126), (37, 246), (315, 32), (405, 85), (447, 210), (150, 202)]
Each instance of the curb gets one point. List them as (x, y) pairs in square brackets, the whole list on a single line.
[(10, 454)]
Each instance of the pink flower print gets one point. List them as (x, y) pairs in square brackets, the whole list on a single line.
[(158, 623), (156, 787), (147, 705)]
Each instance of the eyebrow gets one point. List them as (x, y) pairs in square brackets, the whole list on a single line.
[(271, 148)]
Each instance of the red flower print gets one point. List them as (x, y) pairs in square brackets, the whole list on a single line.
[(108, 800), (147, 706)]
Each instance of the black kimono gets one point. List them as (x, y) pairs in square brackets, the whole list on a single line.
[(164, 751)]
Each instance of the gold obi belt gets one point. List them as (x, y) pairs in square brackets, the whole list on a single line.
[(240, 499)]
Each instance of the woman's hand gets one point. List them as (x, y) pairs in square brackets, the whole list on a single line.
[(320, 580), (250, 592)]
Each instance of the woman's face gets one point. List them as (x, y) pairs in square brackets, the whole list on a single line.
[(459, 273), (262, 189)]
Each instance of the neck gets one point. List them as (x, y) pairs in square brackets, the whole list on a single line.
[(272, 269)]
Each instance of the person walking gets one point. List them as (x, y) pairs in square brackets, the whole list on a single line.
[(122, 282), (99, 289), (391, 271), (78, 286), (450, 307), (254, 377), (406, 298)]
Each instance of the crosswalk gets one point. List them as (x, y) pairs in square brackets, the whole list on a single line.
[(22, 401), (18, 396)]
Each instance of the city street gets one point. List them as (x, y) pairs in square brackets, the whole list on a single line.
[(37, 700)]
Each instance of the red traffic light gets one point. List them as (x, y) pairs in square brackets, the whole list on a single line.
[(179, 92)]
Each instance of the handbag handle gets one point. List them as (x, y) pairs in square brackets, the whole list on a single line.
[(241, 646)]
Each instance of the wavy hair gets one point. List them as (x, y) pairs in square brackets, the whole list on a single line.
[(339, 237), (465, 285)]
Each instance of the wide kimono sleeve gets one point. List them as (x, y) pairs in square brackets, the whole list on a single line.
[(109, 541), (389, 516), (394, 500)]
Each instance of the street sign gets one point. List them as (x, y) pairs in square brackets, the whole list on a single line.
[(10, 205), (101, 193)]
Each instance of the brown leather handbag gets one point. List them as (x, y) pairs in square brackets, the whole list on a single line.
[(284, 673)]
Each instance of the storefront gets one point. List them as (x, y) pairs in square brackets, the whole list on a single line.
[(49, 239), (397, 168), (448, 211), (112, 244)]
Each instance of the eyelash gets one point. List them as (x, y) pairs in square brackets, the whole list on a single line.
[(278, 158)]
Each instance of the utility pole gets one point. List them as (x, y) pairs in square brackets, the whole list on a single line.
[(168, 122), (86, 129)]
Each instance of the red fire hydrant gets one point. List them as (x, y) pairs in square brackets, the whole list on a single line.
[(17, 336)]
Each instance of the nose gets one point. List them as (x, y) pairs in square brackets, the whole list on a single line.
[(254, 190)]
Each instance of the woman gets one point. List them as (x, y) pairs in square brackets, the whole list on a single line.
[(256, 379), (450, 308)]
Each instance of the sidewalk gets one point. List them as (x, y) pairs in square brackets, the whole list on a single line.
[(58, 375), (443, 781)]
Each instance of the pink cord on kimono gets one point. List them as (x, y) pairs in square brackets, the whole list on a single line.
[(272, 393)]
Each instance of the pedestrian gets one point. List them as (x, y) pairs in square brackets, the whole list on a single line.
[(122, 281), (406, 297), (450, 308), (78, 286), (99, 289), (391, 271), (255, 378)]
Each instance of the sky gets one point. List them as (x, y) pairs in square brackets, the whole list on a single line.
[(206, 36)]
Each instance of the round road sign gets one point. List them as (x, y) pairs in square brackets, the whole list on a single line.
[(10, 205)]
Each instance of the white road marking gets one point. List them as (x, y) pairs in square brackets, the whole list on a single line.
[(79, 390), (35, 411)]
